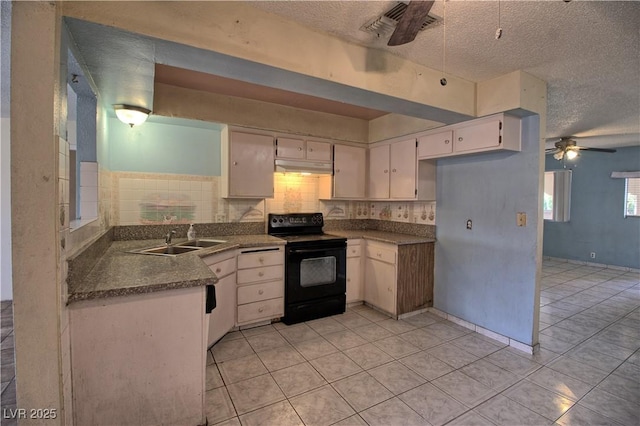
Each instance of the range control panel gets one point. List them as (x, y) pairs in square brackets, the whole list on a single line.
[(292, 222)]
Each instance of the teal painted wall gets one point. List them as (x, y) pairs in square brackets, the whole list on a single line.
[(164, 147), (597, 222), (487, 275)]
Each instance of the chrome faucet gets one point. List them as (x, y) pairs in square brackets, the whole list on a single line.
[(170, 234)]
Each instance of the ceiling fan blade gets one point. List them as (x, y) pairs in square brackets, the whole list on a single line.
[(598, 149), (410, 22)]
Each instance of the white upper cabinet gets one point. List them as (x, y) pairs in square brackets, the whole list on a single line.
[(379, 172), (402, 177), (247, 165), (318, 151), (395, 173), (299, 149), (435, 145), (491, 133), (349, 172)]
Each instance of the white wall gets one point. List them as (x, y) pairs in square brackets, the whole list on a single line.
[(6, 290)]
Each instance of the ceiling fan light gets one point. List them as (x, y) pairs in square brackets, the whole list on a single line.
[(558, 155), (571, 154), (131, 115)]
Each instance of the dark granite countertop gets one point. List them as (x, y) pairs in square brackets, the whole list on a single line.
[(119, 272), (382, 236)]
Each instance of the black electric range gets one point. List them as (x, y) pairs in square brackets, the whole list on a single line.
[(315, 266)]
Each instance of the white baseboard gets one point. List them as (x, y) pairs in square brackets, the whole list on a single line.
[(596, 265), (488, 333)]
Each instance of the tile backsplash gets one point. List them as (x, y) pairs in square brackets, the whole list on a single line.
[(152, 198)]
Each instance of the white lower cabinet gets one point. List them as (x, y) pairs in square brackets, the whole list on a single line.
[(355, 291), (260, 284), (380, 276), (223, 317)]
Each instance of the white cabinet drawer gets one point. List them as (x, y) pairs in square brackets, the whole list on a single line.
[(257, 292), (224, 268), (354, 250), (260, 258), (267, 273), (265, 309), (381, 253), (217, 258)]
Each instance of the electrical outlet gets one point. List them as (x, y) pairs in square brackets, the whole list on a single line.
[(593, 254), (521, 219)]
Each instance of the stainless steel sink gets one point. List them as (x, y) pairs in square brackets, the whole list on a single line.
[(201, 243), (179, 248), (168, 250)]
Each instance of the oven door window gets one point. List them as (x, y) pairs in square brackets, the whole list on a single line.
[(318, 271)]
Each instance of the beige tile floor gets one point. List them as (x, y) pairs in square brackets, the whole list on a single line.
[(363, 368)]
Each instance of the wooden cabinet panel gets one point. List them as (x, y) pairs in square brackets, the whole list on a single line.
[(355, 290), (260, 258), (383, 253), (415, 277), (402, 172), (260, 274), (481, 135), (380, 285), (349, 164), (290, 148), (265, 309), (436, 145), (399, 279), (262, 291), (379, 172), (250, 166), (492, 133), (223, 317), (222, 268), (318, 151)]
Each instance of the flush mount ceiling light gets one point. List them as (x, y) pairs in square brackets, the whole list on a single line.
[(131, 115)]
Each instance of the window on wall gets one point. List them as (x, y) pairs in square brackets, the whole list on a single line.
[(632, 197), (556, 204)]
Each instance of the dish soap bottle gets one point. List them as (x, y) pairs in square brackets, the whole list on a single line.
[(191, 233)]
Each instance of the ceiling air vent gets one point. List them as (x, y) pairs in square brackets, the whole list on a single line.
[(385, 24)]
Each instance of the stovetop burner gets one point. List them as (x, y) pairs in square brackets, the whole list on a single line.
[(300, 228)]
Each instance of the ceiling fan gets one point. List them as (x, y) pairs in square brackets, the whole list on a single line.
[(410, 23), (566, 148)]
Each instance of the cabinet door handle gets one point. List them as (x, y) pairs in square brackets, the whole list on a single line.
[(446, 141), (261, 310), (261, 259), (394, 170), (353, 251), (386, 171), (348, 280), (218, 270), (261, 274), (379, 254), (235, 163), (310, 149), (460, 139), (337, 170), (299, 148), (260, 291)]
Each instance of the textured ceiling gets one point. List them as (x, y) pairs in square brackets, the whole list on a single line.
[(588, 52)]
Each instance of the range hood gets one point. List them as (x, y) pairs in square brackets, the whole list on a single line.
[(303, 166)]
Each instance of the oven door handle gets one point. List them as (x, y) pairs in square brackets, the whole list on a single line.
[(294, 250)]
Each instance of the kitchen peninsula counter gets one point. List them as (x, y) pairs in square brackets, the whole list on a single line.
[(382, 236), (119, 272)]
